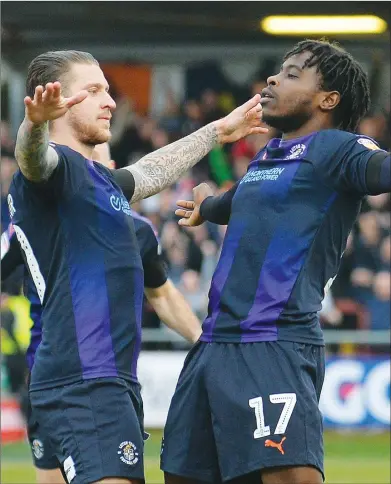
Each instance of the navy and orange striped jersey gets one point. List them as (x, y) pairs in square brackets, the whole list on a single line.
[(289, 220), (79, 243)]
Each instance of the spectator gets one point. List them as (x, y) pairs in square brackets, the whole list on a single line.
[(360, 295), (210, 106)]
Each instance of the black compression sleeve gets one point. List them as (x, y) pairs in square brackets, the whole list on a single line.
[(155, 272), (218, 209), (378, 173), (125, 180)]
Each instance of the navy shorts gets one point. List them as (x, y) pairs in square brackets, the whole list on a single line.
[(242, 407), (95, 428), (42, 450)]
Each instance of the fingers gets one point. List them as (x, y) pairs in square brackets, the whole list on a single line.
[(27, 101), (76, 99), (183, 213), (259, 130), (47, 95), (255, 116), (189, 204), (254, 113), (184, 222), (251, 103), (50, 93), (38, 94), (56, 90)]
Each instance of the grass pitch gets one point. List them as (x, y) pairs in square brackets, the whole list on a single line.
[(351, 458)]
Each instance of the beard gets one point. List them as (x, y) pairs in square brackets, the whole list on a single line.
[(88, 133), (291, 120)]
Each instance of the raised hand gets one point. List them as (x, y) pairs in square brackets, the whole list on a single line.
[(190, 210), (49, 104), (242, 121)]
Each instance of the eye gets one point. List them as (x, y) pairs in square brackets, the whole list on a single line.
[(93, 90), (292, 76)]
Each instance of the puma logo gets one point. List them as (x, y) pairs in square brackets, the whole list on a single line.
[(277, 445)]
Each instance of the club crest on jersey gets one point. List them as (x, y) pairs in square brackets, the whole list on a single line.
[(295, 152), (120, 203), (128, 453), (37, 447), (368, 144)]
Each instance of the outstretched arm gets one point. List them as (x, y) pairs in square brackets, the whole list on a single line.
[(378, 173), (163, 167), (173, 309), (36, 158)]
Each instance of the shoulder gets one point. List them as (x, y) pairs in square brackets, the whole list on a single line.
[(102, 168), (337, 138), (65, 151), (328, 138), (68, 157), (334, 144)]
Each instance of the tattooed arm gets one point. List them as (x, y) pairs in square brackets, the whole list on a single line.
[(36, 159), (163, 167)]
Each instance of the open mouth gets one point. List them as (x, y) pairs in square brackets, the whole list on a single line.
[(266, 94)]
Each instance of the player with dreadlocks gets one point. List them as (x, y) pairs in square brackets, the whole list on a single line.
[(254, 379)]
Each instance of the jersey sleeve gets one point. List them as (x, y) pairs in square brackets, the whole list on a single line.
[(340, 160), (155, 270), (65, 179), (125, 180)]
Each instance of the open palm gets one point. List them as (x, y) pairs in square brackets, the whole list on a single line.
[(49, 104)]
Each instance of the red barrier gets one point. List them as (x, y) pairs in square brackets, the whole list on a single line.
[(12, 423)]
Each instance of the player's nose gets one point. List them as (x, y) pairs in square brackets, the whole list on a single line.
[(109, 102), (272, 80)]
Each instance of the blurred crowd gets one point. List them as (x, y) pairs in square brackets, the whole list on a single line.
[(360, 295)]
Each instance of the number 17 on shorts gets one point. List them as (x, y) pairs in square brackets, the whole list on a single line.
[(262, 429)]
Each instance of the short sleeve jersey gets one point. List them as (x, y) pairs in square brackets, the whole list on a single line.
[(290, 219), (79, 243)]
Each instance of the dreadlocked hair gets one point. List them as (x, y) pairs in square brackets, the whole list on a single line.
[(339, 72)]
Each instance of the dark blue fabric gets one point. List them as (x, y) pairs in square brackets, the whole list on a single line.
[(289, 218), (80, 229), (218, 384)]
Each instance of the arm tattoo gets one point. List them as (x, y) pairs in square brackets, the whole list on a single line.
[(163, 167), (36, 161)]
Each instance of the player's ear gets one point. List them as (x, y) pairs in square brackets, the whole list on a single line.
[(329, 100)]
